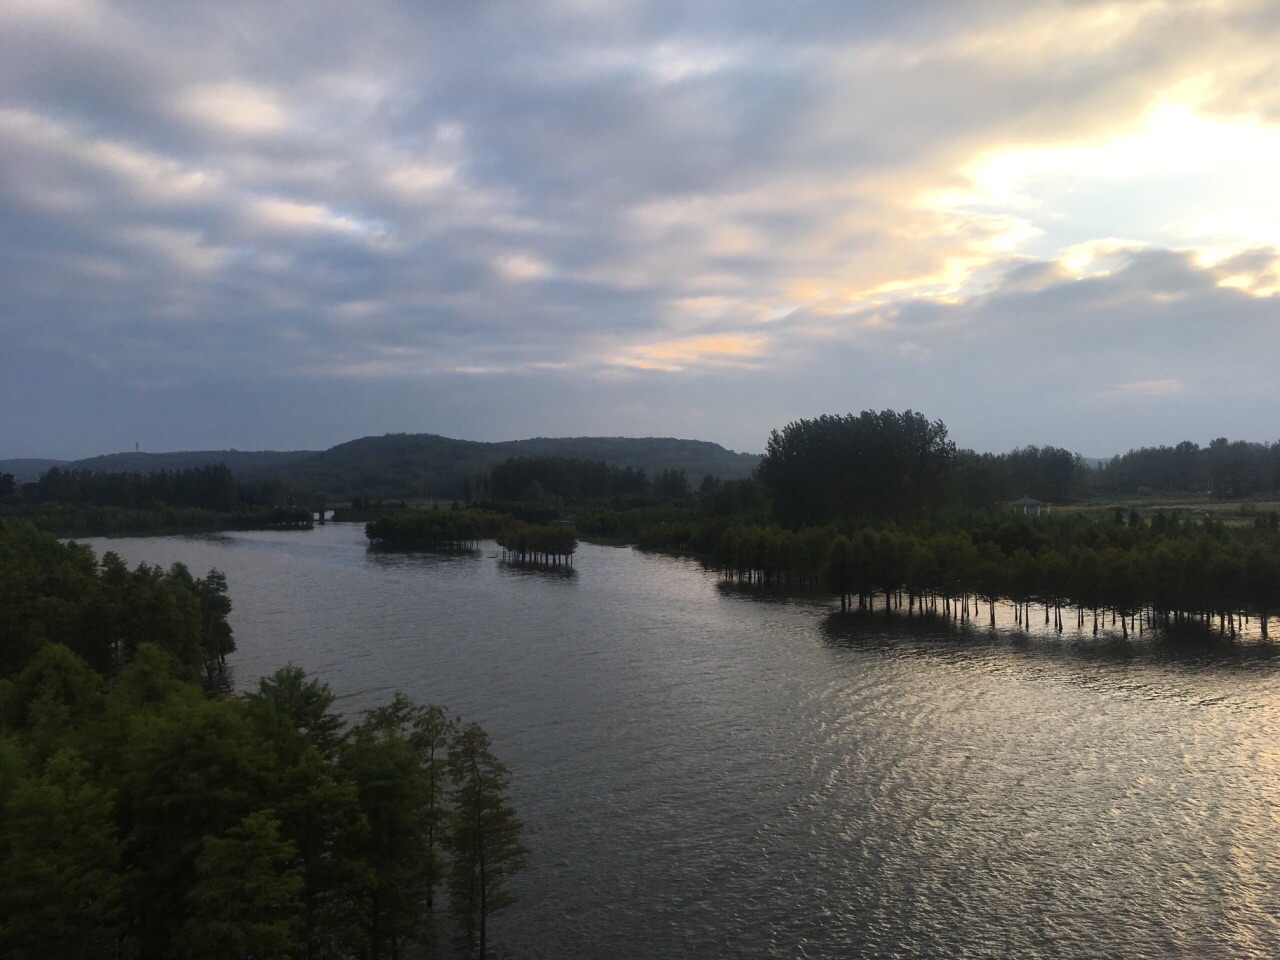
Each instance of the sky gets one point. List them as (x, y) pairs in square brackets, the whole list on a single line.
[(287, 225)]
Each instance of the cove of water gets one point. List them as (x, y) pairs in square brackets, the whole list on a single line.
[(708, 773)]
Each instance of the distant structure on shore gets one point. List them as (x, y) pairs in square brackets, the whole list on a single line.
[(1030, 506)]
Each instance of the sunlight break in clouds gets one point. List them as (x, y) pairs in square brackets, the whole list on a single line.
[(1179, 180), (676, 355), (1147, 388), (238, 107)]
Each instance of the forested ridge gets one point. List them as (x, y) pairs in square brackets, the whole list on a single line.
[(159, 493), (145, 815), (424, 465)]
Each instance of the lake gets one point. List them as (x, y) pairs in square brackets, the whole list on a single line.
[(710, 773)]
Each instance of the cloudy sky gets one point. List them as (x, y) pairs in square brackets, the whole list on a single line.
[(285, 225)]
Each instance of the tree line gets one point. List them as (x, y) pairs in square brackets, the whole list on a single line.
[(441, 530), (1227, 469), (575, 481), (209, 487), (90, 503), (549, 545), (142, 816), (882, 505), (1138, 574)]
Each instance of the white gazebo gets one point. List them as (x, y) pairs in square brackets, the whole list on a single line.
[(1030, 506)]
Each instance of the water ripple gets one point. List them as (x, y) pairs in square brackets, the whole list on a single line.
[(705, 773)]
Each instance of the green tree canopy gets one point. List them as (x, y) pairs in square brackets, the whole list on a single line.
[(884, 465)]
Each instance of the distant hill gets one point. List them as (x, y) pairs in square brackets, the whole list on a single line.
[(27, 469), (420, 464), (655, 454)]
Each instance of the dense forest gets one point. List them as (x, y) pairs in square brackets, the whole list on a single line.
[(882, 505), (1229, 470), (597, 468), (143, 815), (426, 466), (439, 530), (414, 465), (72, 502)]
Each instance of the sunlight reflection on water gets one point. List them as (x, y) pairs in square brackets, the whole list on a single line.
[(706, 774)]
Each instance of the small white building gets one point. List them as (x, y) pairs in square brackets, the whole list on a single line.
[(1031, 507)]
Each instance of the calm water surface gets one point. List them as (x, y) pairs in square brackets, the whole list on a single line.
[(708, 774)]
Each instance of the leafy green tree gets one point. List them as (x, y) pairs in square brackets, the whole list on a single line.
[(884, 465), (195, 768), (60, 866), (320, 815), (295, 709), (197, 826), (215, 607), (671, 484), (392, 790), (46, 594), (432, 733), (55, 695), (485, 841), (245, 902)]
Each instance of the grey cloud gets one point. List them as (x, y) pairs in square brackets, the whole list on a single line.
[(519, 188)]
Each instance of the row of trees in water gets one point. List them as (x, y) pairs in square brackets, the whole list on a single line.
[(143, 817), (872, 505), (439, 530), (881, 503), (211, 487), (1156, 572), (540, 544), (208, 487)]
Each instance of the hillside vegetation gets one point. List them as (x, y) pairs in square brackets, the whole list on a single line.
[(419, 464), (425, 465)]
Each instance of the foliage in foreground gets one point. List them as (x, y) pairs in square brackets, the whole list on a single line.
[(142, 818), (52, 592)]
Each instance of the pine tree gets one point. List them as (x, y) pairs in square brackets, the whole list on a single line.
[(485, 838)]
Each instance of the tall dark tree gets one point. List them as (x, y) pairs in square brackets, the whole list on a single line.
[(485, 838), (884, 465), (378, 757), (246, 901)]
